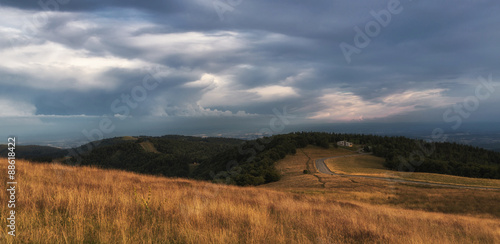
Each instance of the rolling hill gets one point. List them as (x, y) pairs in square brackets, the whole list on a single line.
[(253, 162), (167, 155), (90, 205), (36, 153)]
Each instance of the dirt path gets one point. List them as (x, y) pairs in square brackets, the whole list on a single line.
[(322, 168)]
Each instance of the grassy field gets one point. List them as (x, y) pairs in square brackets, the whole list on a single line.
[(148, 147), (371, 165), (380, 192), (61, 204), (129, 138)]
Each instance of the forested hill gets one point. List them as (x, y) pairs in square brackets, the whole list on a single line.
[(239, 162), (253, 162), (168, 155), (35, 153)]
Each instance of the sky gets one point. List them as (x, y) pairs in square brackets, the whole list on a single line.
[(82, 70)]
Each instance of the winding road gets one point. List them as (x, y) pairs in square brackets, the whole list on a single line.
[(321, 166)]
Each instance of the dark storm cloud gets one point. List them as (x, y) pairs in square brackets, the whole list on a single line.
[(262, 55), (95, 5)]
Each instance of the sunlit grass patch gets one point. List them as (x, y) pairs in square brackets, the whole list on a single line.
[(371, 165), (61, 204)]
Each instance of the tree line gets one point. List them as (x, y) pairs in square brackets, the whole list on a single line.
[(239, 162)]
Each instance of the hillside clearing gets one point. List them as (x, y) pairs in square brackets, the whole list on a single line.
[(373, 166), (148, 147), (380, 192)]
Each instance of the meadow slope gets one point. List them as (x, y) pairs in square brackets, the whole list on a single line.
[(61, 204)]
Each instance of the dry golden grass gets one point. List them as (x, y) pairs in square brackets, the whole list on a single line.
[(292, 167), (371, 165), (362, 164), (148, 147), (60, 204), (129, 138), (482, 203)]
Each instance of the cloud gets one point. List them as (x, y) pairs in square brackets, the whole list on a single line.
[(55, 67), (79, 58), (194, 99), (339, 106), (188, 44), (190, 110), (273, 93), (12, 108)]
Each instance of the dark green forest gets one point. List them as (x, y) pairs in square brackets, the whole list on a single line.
[(36, 153), (167, 155), (252, 162)]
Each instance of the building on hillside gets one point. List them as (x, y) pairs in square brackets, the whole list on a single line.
[(344, 144)]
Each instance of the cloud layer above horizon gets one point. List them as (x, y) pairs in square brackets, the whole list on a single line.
[(158, 64)]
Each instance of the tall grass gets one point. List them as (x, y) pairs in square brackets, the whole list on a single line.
[(60, 204), (371, 165), (470, 202)]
